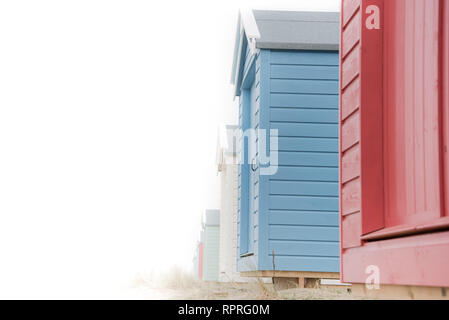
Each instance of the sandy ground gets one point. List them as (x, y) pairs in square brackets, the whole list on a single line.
[(230, 291)]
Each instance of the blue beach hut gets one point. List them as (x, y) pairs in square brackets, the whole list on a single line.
[(285, 74)]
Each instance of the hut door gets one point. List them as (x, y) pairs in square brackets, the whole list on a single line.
[(248, 171), (414, 118), (254, 166), (412, 150)]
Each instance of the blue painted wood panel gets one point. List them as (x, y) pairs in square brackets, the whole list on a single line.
[(306, 174), (304, 86), (248, 180), (304, 233), (296, 210), (311, 101), (292, 187), (303, 115), (304, 72), (307, 144), (305, 248), (316, 264), (305, 218), (318, 58), (303, 200), (286, 202), (304, 158), (253, 175), (313, 130)]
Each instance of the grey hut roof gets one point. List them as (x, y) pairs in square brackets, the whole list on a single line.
[(297, 30), (283, 30), (212, 218)]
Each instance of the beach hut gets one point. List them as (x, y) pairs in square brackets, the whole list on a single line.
[(394, 142), (285, 74), (195, 263), (211, 245), (198, 259), (228, 171)]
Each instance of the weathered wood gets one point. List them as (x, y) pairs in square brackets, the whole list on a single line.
[(291, 274), (350, 99), (352, 226), (351, 34), (350, 164), (350, 131), (351, 197), (349, 8), (392, 292)]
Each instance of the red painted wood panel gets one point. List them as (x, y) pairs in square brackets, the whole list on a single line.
[(350, 164), (351, 34), (445, 99), (371, 74), (351, 66), (411, 112), (350, 99), (352, 224), (350, 197), (349, 7), (403, 109), (350, 131), (200, 261), (417, 260)]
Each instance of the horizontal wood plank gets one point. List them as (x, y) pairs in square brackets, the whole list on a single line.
[(351, 34), (296, 217), (306, 174), (303, 203), (313, 101), (304, 188), (304, 72), (351, 230), (350, 131), (351, 66), (307, 248), (351, 197), (307, 144), (304, 115), (304, 58), (304, 233), (304, 86), (295, 129), (308, 159), (350, 99), (349, 8), (350, 164)]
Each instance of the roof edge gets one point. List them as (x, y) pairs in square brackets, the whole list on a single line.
[(298, 46)]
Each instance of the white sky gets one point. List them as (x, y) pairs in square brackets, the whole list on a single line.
[(108, 126)]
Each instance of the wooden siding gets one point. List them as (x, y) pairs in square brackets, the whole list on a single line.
[(360, 62), (303, 202), (411, 111), (393, 149), (228, 223), (248, 181), (211, 256), (293, 213)]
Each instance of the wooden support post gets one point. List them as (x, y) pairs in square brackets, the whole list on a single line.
[(302, 282)]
